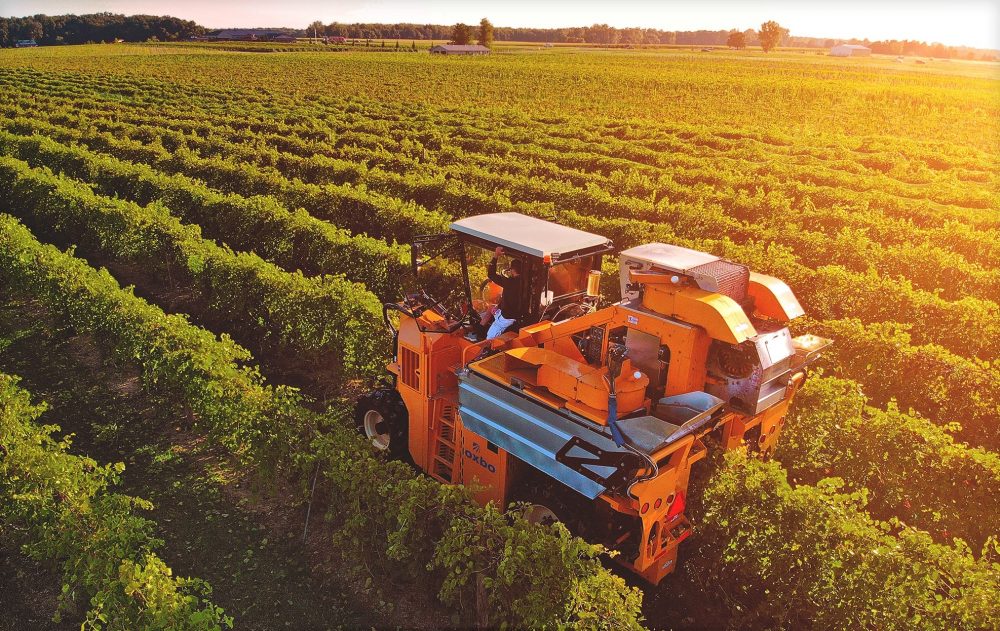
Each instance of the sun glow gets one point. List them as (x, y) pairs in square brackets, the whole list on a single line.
[(957, 23)]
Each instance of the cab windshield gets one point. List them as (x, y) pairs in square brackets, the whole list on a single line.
[(570, 278)]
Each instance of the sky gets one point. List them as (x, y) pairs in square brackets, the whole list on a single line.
[(952, 22)]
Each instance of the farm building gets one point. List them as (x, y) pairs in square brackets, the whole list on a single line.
[(25, 43), (850, 50), (457, 49)]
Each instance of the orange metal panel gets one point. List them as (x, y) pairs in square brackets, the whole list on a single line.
[(630, 390), (688, 346), (721, 317), (773, 298), (655, 497), (545, 357), (484, 468)]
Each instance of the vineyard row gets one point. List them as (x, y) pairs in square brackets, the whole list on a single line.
[(814, 535), (949, 374), (970, 326), (412, 522), (61, 507), (324, 320), (754, 195)]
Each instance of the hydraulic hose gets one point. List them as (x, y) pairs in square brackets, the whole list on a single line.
[(616, 356)]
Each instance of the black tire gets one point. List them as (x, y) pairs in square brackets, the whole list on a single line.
[(381, 417), (548, 501)]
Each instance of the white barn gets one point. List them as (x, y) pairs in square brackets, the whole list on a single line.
[(457, 49), (850, 50)]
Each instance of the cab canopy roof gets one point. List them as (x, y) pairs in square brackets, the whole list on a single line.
[(531, 236)]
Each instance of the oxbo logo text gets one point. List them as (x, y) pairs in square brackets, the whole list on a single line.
[(479, 459)]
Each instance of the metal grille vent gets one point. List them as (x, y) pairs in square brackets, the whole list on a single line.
[(409, 362), (731, 279)]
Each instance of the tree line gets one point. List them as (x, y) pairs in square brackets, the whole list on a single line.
[(49, 30), (109, 27), (594, 34), (603, 34)]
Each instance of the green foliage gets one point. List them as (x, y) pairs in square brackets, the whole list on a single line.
[(771, 33), (911, 469), (62, 507), (461, 34), (434, 528), (227, 400), (381, 509), (780, 188), (809, 557), (293, 240), (318, 318), (928, 378)]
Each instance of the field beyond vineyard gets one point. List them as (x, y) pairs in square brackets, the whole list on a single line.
[(269, 198)]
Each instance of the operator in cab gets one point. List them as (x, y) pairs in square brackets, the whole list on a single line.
[(510, 300)]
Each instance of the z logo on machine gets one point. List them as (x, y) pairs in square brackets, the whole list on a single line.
[(475, 457)]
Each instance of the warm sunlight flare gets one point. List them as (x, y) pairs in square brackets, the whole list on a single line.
[(974, 23), (631, 316)]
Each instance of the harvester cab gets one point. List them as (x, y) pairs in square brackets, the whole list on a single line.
[(592, 415), (560, 267)]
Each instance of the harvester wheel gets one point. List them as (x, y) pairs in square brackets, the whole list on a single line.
[(382, 419), (547, 502), (540, 514)]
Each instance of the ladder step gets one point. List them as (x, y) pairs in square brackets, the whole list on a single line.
[(442, 470)]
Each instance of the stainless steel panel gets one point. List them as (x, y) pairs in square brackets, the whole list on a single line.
[(774, 347), (771, 394), (690, 407), (644, 351), (765, 385), (530, 431)]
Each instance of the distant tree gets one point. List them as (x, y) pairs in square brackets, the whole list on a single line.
[(602, 34), (34, 30), (770, 35), (316, 29), (485, 33), (96, 27), (631, 36), (461, 34), (736, 40)]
